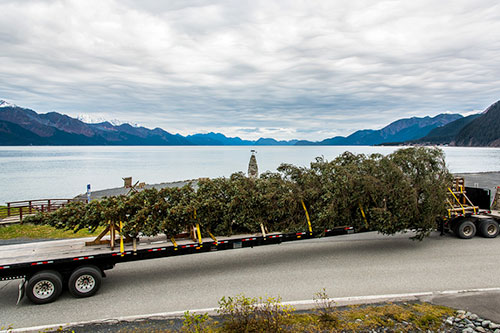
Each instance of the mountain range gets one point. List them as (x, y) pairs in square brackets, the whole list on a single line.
[(478, 130), (399, 131), (481, 131), (22, 126)]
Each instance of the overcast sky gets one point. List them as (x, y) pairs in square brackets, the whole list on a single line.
[(282, 69)]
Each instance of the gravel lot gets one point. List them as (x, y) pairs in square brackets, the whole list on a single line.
[(482, 179)]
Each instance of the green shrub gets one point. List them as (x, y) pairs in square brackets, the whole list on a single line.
[(325, 307), (245, 314), (197, 323)]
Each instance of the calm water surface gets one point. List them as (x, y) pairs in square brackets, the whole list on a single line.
[(61, 172)]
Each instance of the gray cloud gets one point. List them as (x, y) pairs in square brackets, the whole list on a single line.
[(286, 69)]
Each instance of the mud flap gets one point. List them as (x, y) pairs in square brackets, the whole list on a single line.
[(22, 289)]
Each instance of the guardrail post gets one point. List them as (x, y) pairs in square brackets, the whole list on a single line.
[(48, 208), (21, 215), (29, 209), (42, 208), (8, 209)]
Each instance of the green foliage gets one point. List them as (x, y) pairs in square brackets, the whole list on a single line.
[(425, 170), (245, 314), (257, 314), (179, 209), (69, 217), (325, 306), (197, 323), (8, 328), (405, 190), (213, 201)]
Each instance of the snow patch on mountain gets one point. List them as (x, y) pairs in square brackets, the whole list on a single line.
[(5, 104), (91, 119)]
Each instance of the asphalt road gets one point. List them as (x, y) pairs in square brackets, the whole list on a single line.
[(351, 265)]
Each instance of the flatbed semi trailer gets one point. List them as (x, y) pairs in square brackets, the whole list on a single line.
[(46, 268)]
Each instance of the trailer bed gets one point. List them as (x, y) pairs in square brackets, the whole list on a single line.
[(71, 248), (495, 214), (23, 260)]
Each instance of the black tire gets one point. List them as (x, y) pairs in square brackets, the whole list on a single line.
[(465, 229), (44, 287), (85, 281), (489, 228)]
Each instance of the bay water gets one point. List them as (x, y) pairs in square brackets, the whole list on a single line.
[(35, 172)]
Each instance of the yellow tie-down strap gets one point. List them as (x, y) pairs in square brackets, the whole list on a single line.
[(363, 214), (122, 249), (198, 233), (213, 237), (463, 209), (307, 217), (174, 242)]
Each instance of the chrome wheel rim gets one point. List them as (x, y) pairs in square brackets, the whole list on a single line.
[(467, 230), (491, 230), (43, 289), (85, 283)]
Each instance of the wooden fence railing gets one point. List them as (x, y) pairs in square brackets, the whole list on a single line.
[(27, 207)]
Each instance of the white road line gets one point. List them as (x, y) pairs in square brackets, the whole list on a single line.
[(303, 304)]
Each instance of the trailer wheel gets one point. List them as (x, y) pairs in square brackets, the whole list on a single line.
[(85, 281), (44, 287), (466, 229), (489, 228)]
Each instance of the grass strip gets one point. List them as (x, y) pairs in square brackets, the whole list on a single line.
[(383, 317), (273, 317), (14, 211), (41, 231), (404, 317)]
